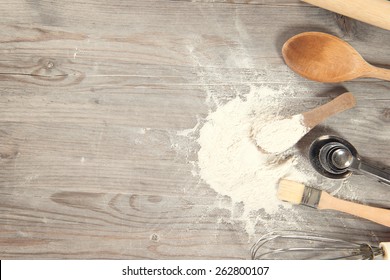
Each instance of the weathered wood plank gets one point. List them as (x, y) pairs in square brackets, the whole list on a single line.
[(92, 95)]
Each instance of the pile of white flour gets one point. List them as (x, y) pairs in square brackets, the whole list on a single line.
[(229, 159)]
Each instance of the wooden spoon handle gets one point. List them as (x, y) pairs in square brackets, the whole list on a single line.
[(379, 73), (337, 105), (374, 214), (375, 12)]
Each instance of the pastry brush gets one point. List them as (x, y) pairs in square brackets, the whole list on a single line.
[(297, 193)]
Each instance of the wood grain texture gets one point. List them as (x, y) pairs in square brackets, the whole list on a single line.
[(376, 12), (93, 93)]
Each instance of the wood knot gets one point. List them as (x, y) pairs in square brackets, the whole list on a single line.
[(386, 114), (346, 25), (154, 237), (9, 155), (49, 64), (50, 71), (9, 152)]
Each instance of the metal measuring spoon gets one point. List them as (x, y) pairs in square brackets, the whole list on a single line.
[(336, 158)]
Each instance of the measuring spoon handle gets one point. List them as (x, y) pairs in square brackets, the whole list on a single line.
[(372, 171)]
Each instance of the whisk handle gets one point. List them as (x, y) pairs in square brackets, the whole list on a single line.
[(374, 214), (385, 246)]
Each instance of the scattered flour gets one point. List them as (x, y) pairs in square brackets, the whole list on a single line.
[(223, 154), (280, 135), (230, 161)]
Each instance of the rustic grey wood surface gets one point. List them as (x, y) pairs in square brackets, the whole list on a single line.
[(92, 94)]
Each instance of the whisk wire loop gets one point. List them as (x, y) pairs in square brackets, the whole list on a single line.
[(319, 246)]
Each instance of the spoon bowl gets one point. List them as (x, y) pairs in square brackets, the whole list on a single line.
[(325, 58), (271, 138), (336, 158)]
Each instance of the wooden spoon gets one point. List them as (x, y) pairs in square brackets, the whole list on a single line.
[(278, 136), (325, 58)]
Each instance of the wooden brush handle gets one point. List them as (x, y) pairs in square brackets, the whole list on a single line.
[(377, 215), (337, 105), (375, 12)]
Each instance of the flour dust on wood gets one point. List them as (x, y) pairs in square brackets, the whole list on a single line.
[(230, 161)]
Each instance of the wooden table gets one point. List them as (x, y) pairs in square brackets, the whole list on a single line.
[(93, 93)]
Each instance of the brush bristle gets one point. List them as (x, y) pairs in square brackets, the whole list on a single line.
[(290, 191)]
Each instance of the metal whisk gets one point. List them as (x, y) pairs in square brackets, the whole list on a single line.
[(302, 245)]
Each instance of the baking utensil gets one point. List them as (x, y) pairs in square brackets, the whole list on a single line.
[(297, 193), (309, 120), (336, 158), (317, 115), (375, 12), (304, 245), (325, 58)]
